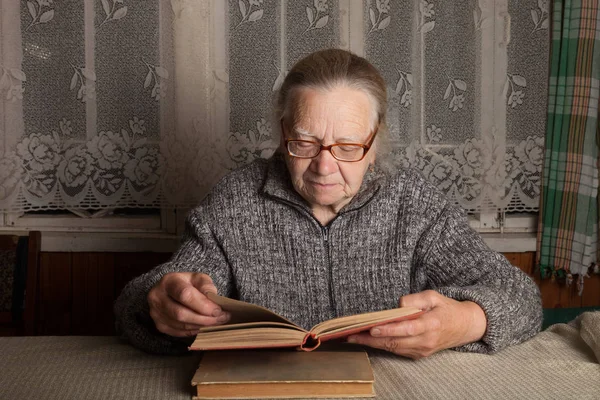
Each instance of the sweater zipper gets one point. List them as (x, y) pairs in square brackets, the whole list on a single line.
[(325, 235), (325, 231)]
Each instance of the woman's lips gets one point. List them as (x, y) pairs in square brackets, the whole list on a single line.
[(323, 185)]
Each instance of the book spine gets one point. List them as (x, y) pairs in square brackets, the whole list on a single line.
[(310, 342)]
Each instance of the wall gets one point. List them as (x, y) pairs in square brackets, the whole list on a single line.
[(558, 294), (77, 290)]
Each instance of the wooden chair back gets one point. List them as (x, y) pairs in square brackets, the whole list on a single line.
[(20, 287)]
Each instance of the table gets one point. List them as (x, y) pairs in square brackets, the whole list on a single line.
[(561, 363)]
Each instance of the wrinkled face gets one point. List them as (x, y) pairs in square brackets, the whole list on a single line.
[(339, 115)]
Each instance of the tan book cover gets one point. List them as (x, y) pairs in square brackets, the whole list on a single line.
[(284, 373), (252, 326)]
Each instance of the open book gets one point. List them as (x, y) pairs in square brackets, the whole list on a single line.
[(252, 326)]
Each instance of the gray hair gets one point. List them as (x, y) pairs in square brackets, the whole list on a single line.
[(331, 68)]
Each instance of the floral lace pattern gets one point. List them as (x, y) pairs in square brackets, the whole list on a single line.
[(91, 153), (108, 162), (476, 172), (113, 161), (317, 19)]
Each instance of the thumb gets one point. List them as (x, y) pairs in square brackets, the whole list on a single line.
[(424, 300), (203, 283)]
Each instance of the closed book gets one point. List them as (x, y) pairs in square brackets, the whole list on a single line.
[(283, 373)]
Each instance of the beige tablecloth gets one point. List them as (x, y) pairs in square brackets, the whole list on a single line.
[(559, 363)]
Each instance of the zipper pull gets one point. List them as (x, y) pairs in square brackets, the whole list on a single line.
[(326, 233)]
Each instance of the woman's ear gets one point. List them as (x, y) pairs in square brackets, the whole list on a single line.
[(372, 154)]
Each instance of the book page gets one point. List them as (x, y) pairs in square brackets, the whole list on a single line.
[(246, 312), (244, 325), (354, 322), (248, 338)]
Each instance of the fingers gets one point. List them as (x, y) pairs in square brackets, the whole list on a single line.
[(180, 309), (181, 328), (446, 323), (172, 327), (175, 319), (413, 338), (174, 332), (184, 292), (414, 327), (173, 310), (425, 300), (411, 347), (203, 283)]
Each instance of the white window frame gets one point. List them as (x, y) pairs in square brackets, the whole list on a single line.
[(96, 233), (83, 221), (511, 233), (500, 222), (171, 221)]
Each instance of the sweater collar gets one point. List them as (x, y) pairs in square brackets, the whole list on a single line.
[(278, 184)]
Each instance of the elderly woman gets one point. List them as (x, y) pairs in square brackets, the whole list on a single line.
[(321, 230)]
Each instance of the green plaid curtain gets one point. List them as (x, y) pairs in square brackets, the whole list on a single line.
[(568, 224)]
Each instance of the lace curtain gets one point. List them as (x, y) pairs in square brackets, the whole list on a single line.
[(116, 103)]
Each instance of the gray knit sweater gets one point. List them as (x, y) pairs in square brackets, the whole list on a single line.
[(259, 242)]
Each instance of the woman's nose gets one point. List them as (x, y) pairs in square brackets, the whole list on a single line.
[(324, 163)]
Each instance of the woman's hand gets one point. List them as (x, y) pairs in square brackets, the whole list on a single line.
[(446, 323), (179, 306)]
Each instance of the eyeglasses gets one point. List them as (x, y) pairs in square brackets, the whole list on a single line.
[(348, 152)]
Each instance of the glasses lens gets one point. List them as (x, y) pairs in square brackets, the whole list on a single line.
[(348, 152), (300, 148)]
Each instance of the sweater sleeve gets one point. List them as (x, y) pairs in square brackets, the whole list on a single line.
[(461, 266), (199, 252)]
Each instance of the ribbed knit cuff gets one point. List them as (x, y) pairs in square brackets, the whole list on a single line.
[(496, 335), (135, 325)]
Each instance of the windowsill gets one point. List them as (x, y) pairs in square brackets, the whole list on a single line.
[(511, 242), (162, 242), (109, 242)]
